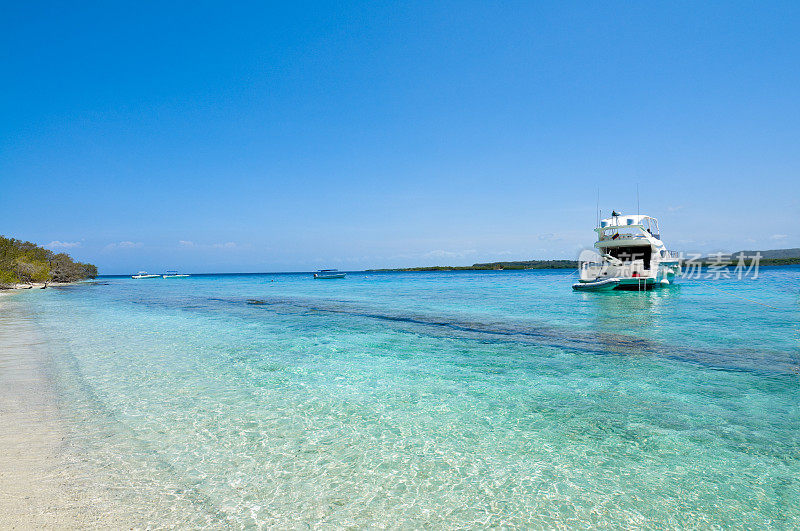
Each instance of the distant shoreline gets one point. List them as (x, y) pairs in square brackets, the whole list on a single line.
[(573, 264), (549, 264), (494, 266)]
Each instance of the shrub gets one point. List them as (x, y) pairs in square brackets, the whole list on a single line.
[(22, 261)]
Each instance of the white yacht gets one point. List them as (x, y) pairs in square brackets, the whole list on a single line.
[(631, 256), (144, 274)]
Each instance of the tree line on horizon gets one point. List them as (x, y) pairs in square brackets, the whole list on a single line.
[(24, 262), (524, 264), (773, 257)]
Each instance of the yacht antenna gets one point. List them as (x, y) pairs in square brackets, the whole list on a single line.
[(637, 199), (598, 206)]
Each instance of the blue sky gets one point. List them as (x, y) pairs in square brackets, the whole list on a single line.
[(264, 137)]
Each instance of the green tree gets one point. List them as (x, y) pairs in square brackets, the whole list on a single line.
[(22, 262)]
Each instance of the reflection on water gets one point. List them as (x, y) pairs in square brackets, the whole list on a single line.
[(634, 312)]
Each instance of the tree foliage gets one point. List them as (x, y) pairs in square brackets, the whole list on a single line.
[(26, 262)]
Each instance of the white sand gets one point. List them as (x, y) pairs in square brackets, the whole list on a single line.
[(36, 488), (35, 285)]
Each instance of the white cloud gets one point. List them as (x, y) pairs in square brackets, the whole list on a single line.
[(551, 237), (55, 244), (440, 253), (123, 245), (778, 236), (187, 244)]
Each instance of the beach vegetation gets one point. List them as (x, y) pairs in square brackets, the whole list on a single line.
[(23, 262)]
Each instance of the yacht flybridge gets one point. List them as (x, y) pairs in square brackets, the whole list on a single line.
[(631, 256)]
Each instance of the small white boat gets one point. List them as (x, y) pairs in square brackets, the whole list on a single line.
[(144, 274), (632, 257), (329, 273), (174, 274)]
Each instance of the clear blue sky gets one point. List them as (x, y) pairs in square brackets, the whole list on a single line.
[(236, 136)]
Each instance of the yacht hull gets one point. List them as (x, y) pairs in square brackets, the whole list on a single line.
[(636, 284)]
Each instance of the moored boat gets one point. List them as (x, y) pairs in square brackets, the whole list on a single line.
[(605, 284), (174, 274), (329, 273), (631, 256), (144, 274)]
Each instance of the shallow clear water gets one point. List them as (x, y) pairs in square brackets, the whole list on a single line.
[(432, 399)]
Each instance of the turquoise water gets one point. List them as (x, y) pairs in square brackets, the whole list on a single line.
[(458, 399)]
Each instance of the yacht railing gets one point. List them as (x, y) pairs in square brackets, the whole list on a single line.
[(607, 233), (610, 236)]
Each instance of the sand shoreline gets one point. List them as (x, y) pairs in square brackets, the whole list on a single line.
[(37, 488), (34, 285)]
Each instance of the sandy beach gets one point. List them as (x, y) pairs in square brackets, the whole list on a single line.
[(37, 489), (31, 285)]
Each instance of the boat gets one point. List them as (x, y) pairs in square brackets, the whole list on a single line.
[(174, 274), (631, 256), (144, 274), (329, 273), (604, 284)]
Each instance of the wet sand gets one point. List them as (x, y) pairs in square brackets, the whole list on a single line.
[(37, 488)]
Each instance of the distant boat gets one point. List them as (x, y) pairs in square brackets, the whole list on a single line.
[(329, 273), (174, 274), (144, 274)]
